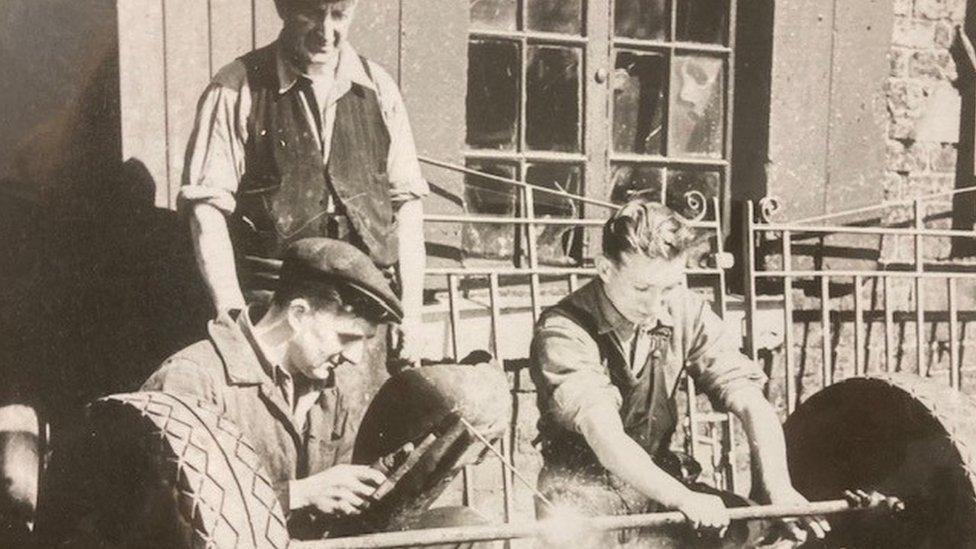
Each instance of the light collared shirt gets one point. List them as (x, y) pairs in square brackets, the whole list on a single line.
[(215, 162), (574, 376), (281, 378)]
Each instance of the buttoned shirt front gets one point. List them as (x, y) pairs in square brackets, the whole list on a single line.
[(216, 164)]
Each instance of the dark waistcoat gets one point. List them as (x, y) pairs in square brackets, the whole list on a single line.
[(648, 412), (286, 185)]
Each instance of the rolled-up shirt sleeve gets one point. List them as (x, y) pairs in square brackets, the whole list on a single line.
[(712, 353), (215, 152), (568, 364), (406, 179)]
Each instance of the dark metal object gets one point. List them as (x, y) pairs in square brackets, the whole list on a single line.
[(560, 527), (445, 411), (897, 434)]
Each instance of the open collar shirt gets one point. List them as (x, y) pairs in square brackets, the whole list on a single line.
[(215, 158)]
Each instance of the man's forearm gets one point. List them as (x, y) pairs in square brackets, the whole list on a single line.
[(413, 257), (622, 456), (215, 257), (766, 443)]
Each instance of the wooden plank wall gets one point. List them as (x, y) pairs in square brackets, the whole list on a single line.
[(169, 49)]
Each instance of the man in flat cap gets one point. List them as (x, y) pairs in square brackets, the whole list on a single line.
[(304, 138), (272, 370)]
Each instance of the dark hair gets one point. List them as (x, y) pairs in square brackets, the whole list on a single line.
[(648, 227)]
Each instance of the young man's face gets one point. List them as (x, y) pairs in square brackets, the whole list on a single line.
[(314, 30), (639, 285), (325, 339)]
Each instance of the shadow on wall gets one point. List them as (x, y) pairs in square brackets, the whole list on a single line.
[(964, 205), (97, 286)]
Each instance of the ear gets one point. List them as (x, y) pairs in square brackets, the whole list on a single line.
[(298, 310), (604, 267)]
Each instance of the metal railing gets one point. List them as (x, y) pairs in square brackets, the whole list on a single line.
[(845, 295), (701, 428)]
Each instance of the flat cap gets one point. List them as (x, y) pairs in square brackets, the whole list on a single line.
[(342, 263)]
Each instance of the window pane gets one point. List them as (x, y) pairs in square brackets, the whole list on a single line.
[(487, 197), (639, 84), (697, 106), (493, 14), (681, 182), (702, 21), (557, 243), (552, 113), (629, 180), (493, 94), (565, 16), (645, 19)]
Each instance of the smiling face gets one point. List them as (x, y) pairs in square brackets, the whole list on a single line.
[(314, 30), (323, 340), (638, 285)]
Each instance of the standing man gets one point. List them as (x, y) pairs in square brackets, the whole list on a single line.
[(304, 137), (606, 361)]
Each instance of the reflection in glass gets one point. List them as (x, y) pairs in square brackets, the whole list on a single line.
[(565, 16), (702, 21), (680, 182), (484, 196), (629, 180), (644, 19), (697, 106), (493, 14), (557, 243), (639, 84), (493, 94), (552, 110)]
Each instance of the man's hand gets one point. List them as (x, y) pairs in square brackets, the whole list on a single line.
[(341, 490), (705, 512), (798, 529)]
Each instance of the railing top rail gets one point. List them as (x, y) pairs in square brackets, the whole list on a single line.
[(874, 207)]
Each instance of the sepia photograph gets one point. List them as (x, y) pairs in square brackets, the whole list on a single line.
[(510, 274)]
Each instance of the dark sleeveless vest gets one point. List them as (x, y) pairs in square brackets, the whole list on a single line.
[(286, 184), (648, 412)]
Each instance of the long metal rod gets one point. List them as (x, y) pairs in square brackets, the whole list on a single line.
[(517, 182), (531, 237), (887, 204), (496, 349), (749, 284), (506, 271), (530, 220), (788, 324), (889, 326), (555, 527), (826, 370), (845, 229), (858, 327), (954, 373), (467, 492), (922, 353), (890, 274)]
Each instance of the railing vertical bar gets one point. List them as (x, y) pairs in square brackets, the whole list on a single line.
[(858, 327), (788, 322), (505, 448), (889, 323), (920, 356), (692, 410), (749, 284), (573, 282), (533, 250), (467, 474), (954, 374), (728, 439), (826, 368)]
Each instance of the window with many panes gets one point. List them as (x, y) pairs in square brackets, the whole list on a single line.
[(602, 97)]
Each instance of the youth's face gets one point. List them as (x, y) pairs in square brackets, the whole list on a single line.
[(638, 286), (314, 31), (323, 340)]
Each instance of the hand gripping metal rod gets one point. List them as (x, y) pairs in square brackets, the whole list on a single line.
[(436, 536)]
